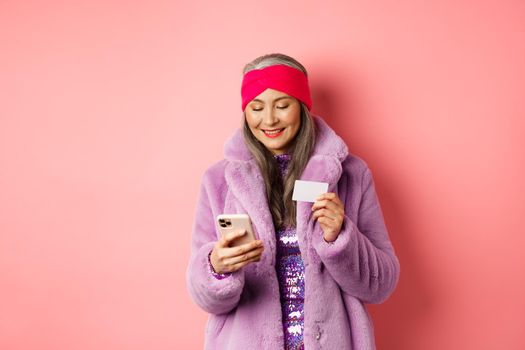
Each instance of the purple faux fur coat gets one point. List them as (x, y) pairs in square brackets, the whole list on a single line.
[(359, 267)]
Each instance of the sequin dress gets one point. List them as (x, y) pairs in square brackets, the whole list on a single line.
[(290, 273)]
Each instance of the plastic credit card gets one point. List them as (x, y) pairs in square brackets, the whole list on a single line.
[(308, 191)]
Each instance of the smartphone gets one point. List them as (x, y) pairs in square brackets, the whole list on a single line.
[(234, 222)]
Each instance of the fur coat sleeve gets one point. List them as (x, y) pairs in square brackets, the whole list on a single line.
[(211, 294), (361, 259)]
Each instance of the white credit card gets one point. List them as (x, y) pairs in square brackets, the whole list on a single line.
[(308, 191)]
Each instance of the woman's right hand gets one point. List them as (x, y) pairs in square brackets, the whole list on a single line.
[(229, 259)]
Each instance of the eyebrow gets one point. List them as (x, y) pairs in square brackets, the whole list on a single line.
[(277, 99)]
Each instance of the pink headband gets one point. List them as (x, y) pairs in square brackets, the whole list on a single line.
[(280, 77)]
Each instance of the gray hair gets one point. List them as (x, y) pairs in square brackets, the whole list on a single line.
[(278, 193), (273, 59)]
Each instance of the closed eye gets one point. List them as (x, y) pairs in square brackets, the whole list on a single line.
[(260, 109)]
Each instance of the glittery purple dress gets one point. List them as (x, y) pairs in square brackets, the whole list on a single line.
[(290, 273)]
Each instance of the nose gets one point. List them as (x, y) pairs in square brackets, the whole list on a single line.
[(269, 117)]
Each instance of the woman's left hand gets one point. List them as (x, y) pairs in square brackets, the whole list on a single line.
[(330, 213)]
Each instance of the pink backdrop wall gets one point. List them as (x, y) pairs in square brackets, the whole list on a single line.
[(110, 111)]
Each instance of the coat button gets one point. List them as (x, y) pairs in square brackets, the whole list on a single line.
[(318, 335)]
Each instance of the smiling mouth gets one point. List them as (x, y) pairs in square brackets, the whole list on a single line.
[(274, 132)]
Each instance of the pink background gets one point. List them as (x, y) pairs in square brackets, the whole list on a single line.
[(110, 111)]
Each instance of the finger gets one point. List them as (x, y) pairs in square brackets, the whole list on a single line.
[(326, 195), (327, 213), (328, 225), (338, 201), (242, 249), (330, 196), (330, 205), (326, 228), (318, 201), (321, 196), (230, 236), (319, 204), (246, 256), (235, 267), (321, 201), (327, 220)]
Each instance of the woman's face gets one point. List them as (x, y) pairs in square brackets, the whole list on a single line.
[(274, 119)]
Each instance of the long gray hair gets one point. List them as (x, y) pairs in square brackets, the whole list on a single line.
[(278, 193)]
